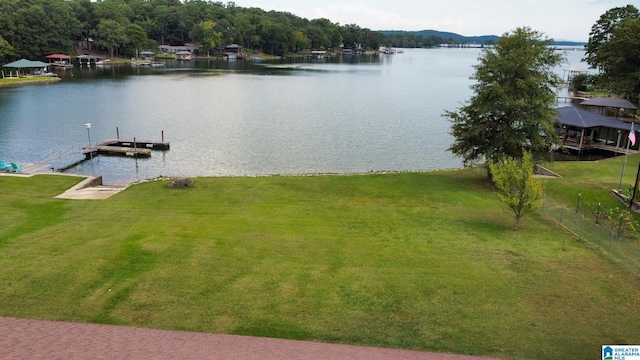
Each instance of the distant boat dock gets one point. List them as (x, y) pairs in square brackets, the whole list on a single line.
[(136, 148)]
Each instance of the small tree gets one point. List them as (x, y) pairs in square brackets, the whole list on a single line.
[(517, 186)]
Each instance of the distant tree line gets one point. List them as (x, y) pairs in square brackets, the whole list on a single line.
[(409, 40), (433, 38), (36, 28)]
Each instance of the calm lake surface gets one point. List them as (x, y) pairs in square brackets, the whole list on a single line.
[(335, 115)]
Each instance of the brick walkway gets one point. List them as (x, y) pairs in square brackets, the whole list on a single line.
[(37, 339)]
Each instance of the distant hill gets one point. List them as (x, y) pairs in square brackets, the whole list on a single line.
[(484, 39), (445, 36)]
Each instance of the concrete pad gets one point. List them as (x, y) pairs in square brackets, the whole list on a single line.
[(91, 193), (91, 188)]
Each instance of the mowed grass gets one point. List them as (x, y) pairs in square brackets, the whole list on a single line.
[(593, 180), (26, 80), (425, 261)]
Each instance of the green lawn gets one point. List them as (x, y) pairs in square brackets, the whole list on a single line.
[(27, 80), (425, 261), (594, 180)]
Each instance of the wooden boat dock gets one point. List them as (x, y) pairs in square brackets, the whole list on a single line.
[(136, 148)]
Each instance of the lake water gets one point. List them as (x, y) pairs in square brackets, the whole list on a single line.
[(337, 115)]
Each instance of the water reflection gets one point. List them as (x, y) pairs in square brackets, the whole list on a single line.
[(225, 118)]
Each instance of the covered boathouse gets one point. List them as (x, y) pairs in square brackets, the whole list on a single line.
[(582, 130)]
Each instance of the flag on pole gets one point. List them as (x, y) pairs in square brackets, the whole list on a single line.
[(632, 135)]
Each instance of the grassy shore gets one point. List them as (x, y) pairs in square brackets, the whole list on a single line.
[(425, 261), (7, 82)]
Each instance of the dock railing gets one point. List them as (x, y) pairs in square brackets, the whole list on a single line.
[(58, 154)]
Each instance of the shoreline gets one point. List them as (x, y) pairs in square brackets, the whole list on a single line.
[(8, 82)]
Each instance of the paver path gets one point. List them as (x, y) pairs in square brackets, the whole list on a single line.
[(38, 339)]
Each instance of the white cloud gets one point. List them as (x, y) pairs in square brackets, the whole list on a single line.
[(563, 19)]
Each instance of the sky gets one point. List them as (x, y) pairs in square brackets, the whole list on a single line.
[(557, 19)]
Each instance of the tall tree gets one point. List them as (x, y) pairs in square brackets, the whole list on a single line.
[(517, 187), (110, 34), (300, 41), (602, 30), (85, 13), (614, 47), (136, 37), (620, 60), (351, 35), (276, 36), (193, 12), (7, 52), (205, 36), (247, 25), (325, 34), (513, 108)]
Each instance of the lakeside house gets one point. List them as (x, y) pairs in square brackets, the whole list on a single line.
[(170, 49), (232, 52)]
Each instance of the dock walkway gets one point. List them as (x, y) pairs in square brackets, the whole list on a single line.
[(600, 146), (139, 148)]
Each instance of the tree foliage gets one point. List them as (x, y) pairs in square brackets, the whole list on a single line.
[(517, 186), (514, 101), (583, 82), (6, 50), (614, 47), (205, 36), (36, 28), (620, 57), (602, 30)]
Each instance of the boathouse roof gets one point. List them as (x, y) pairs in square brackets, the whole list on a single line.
[(58, 56), (576, 69), (24, 64), (573, 116), (610, 102)]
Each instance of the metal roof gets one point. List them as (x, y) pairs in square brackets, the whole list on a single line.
[(573, 116), (610, 102), (24, 63), (58, 56), (576, 69)]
